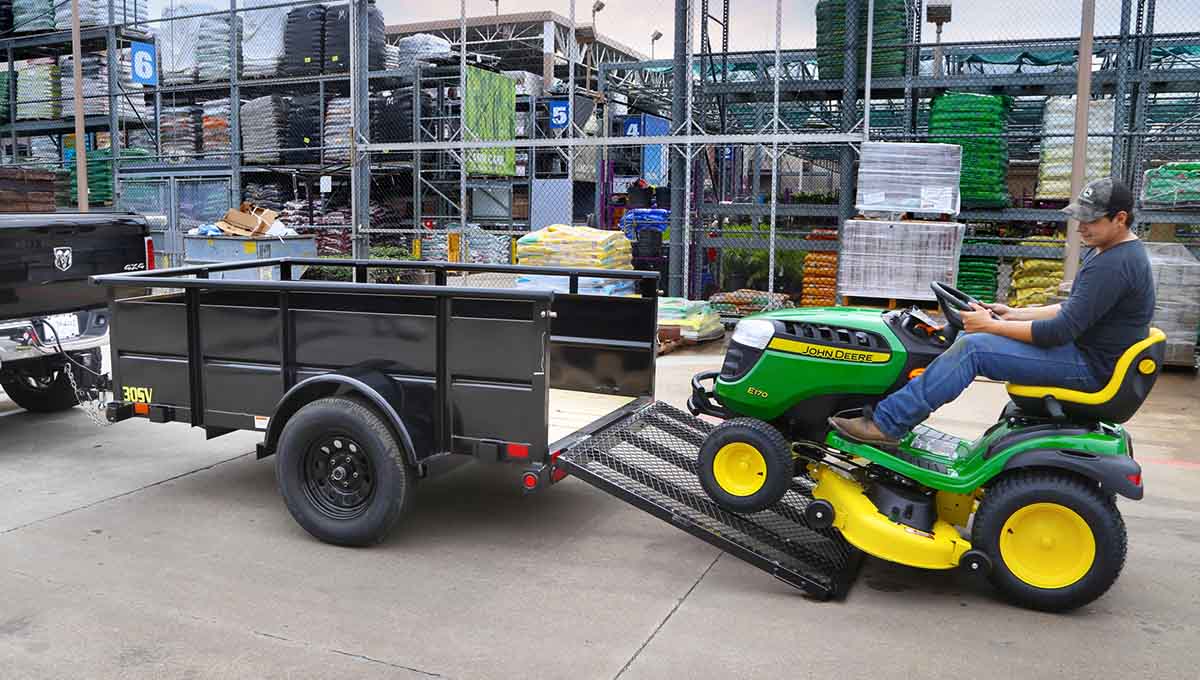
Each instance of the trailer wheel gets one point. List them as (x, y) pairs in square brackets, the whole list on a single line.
[(341, 472), (42, 395)]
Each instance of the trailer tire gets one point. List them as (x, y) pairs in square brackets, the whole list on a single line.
[(48, 396), (342, 473)]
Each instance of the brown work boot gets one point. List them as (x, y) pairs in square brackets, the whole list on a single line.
[(862, 429)]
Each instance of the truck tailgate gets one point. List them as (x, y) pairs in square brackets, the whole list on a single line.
[(647, 457)]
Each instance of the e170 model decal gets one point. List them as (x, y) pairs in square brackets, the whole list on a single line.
[(827, 352), (138, 395)]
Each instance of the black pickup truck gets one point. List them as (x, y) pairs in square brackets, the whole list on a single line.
[(51, 317)]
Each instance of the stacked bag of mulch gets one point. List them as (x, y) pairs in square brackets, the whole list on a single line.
[(99, 173), (264, 129), (263, 38), (269, 195), (696, 320), (95, 12), (978, 276), (6, 16), (337, 129), (4, 95), (337, 39), (178, 41), (33, 15), (303, 41), (890, 35), (179, 130), (1057, 150), (819, 286), (1172, 186), (39, 93), (130, 102), (746, 301), (420, 47), (215, 139), (217, 35), (960, 118), (560, 245), (1035, 281), (303, 129)]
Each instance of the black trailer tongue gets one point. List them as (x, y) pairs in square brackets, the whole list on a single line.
[(649, 458)]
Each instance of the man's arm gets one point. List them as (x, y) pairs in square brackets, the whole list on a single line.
[(1025, 313), (982, 321)]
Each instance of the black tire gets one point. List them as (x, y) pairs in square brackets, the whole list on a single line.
[(1096, 508), (770, 444), (375, 464), (42, 396)]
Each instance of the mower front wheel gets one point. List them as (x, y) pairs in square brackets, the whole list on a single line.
[(746, 465), (1056, 541)]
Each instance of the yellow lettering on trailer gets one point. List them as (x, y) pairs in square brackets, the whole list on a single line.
[(826, 352), (138, 395)]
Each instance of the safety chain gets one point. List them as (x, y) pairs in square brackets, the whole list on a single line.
[(92, 406)]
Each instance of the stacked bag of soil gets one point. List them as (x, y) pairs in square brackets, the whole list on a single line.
[(179, 130), (303, 41), (977, 277), (39, 93), (269, 195), (99, 173), (1173, 186), (696, 319), (744, 302), (890, 35), (1035, 280), (337, 39), (33, 15), (264, 129), (337, 129), (263, 38), (178, 42), (560, 245), (977, 123), (392, 114), (217, 35), (819, 288), (215, 140), (303, 129)]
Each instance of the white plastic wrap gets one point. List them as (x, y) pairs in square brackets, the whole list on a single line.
[(909, 178), (1058, 126), (1177, 299), (887, 259)]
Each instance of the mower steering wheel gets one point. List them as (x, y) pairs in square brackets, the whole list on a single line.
[(952, 301)]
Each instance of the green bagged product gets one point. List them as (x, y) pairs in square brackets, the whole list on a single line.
[(977, 123), (890, 34), (1172, 186)]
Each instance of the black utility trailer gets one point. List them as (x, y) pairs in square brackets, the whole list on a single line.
[(362, 389)]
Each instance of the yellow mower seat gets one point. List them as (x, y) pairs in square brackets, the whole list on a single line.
[(1116, 402)]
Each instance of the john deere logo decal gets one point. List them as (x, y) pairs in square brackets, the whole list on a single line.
[(63, 259), (827, 352)]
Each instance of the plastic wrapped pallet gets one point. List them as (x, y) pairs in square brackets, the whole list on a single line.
[(39, 96), (978, 123), (1177, 299), (484, 247), (886, 259), (696, 319), (99, 173), (263, 38), (218, 33), (559, 245), (215, 141), (303, 129), (33, 15), (264, 129), (1057, 152), (909, 178), (391, 57), (1172, 186), (337, 39), (890, 35), (130, 101), (392, 114), (337, 129), (528, 84), (304, 40), (178, 41), (420, 47), (95, 12)]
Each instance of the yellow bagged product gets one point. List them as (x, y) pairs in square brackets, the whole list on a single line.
[(560, 245)]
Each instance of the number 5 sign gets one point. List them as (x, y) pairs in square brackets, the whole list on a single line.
[(145, 63), (559, 113)]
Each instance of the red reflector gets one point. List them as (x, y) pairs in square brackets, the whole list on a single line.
[(517, 450), (558, 475), (530, 480), (149, 253), (1136, 478), (141, 409)]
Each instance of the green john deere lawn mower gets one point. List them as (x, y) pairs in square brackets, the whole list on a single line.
[(1037, 489)]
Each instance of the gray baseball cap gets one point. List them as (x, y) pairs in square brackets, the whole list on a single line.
[(1099, 198)]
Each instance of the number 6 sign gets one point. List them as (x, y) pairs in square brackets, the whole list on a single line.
[(145, 63)]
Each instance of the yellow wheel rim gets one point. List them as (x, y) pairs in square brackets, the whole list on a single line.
[(1047, 545), (740, 469)]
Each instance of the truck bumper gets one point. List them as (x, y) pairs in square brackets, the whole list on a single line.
[(24, 339)]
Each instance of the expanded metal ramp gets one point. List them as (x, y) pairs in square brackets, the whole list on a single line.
[(649, 460)]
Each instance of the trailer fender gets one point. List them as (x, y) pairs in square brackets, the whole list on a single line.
[(1118, 474), (373, 386)]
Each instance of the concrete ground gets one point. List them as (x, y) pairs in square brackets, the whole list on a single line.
[(142, 551)]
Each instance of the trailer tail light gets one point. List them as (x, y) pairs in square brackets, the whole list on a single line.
[(141, 409), (149, 252), (530, 481), (557, 474), (517, 451)]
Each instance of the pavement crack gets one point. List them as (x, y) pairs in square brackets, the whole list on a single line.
[(273, 637), (386, 663), (123, 494), (678, 604)]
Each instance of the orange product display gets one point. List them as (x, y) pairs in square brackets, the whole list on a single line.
[(820, 273)]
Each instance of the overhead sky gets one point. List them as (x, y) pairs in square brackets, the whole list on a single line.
[(752, 22)]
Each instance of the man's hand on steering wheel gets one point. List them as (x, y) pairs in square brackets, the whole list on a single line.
[(979, 320)]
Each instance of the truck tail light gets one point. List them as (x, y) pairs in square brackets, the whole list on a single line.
[(149, 252), (1136, 478), (517, 450)]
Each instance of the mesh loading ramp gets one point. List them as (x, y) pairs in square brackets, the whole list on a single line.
[(649, 460)]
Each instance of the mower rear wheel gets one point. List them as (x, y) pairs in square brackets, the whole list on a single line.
[(746, 465), (1057, 542)]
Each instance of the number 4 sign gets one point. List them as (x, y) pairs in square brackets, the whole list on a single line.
[(145, 63)]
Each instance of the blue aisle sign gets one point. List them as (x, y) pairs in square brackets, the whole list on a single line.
[(559, 114), (145, 63)]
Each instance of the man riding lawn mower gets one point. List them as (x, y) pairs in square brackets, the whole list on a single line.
[(838, 394)]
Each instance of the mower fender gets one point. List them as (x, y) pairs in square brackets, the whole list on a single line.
[(373, 386), (1118, 474), (861, 523)]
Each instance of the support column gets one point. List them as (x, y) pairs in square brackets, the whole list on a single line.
[(360, 172), (678, 162)]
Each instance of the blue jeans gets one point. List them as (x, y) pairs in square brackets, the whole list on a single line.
[(992, 356)]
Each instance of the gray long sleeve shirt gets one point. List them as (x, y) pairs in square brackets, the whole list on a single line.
[(1110, 307)]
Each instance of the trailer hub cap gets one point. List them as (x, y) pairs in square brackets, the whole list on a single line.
[(339, 480), (740, 469), (1047, 545)]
